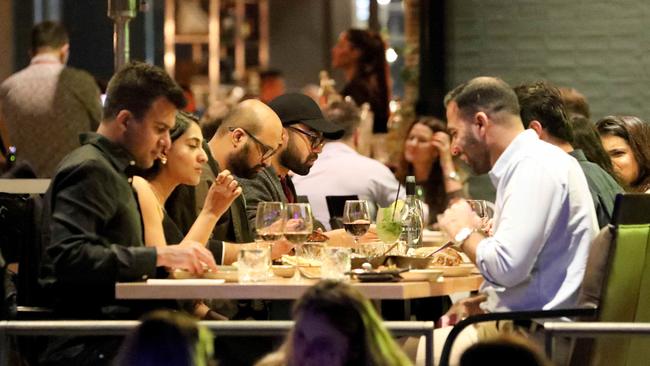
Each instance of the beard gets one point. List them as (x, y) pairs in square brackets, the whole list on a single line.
[(290, 158), (477, 155), (239, 166)]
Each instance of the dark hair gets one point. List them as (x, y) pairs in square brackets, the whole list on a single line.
[(542, 102), (48, 34), (353, 315), (637, 134), (136, 86), (434, 187), (345, 114), (516, 350), (183, 122), (372, 67), (575, 102), (484, 94), (586, 138), (166, 338), (270, 74)]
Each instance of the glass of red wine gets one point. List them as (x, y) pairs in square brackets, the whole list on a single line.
[(356, 218)]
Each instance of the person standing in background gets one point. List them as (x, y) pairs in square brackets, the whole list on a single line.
[(45, 107)]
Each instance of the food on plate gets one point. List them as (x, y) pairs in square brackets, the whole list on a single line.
[(304, 262), (447, 257), (318, 237)]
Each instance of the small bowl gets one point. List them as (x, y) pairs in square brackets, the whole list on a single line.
[(408, 262), (285, 271)]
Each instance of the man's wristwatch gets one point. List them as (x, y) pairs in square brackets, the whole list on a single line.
[(461, 236), (453, 176)]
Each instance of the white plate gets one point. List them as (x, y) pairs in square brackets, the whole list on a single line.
[(226, 273), (421, 275), (463, 269)]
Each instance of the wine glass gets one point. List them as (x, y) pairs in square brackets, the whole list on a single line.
[(297, 227), (484, 210), (356, 218), (269, 223)]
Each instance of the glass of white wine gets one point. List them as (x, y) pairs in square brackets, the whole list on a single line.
[(298, 226)]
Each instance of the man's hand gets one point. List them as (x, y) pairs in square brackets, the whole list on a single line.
[(340, 238), (221, 194), (188, 255), (280, 247), (462, 309), (459, 215)]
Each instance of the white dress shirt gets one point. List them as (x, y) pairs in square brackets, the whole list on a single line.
[(543, 227), (339, 171)]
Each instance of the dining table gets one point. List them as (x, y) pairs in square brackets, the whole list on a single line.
[(277, 288)]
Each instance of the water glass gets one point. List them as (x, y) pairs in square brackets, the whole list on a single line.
[(335, 263), (254, 264)]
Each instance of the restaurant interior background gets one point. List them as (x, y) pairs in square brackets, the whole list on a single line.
[(601, 48)]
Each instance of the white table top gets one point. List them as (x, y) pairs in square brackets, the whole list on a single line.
[(286, 289)]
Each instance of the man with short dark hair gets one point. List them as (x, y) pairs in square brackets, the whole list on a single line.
[(543, 111), (341, 170), (45, 106), (92, 234), (544, 219)]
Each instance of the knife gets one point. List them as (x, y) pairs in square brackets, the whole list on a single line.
[(447, 245)]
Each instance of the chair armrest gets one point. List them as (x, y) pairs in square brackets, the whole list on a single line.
[(512, 315)]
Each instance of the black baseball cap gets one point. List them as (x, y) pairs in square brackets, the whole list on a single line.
[(295, 108)]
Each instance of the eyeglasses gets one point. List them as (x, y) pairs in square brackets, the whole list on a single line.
[(266, 150), (315, 140)]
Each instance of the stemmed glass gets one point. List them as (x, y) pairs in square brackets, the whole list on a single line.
[(356, 218), (269, 223), (484, 210), (297, 227)]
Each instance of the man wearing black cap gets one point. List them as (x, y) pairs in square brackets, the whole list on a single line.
[(304, 126)]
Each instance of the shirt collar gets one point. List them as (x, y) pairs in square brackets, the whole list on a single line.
[(121, 159), (500, 167), (45, 58)]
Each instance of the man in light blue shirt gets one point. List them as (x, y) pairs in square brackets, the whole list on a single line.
[(544, 220)]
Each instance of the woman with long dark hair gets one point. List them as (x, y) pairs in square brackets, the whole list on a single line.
[(361, 54), (627, 141), (427, 156)]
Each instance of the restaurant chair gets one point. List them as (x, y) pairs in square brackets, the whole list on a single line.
[(616, 287), (335, 205)]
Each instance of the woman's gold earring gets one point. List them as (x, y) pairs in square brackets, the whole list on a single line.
[(163, 159)]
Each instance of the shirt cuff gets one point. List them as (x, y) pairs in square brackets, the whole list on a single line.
[(216, 247)]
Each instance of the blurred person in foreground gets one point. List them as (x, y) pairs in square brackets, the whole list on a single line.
[(505, 350), (542, 110), (530, 262), (92, 231), (167, 338), (627, 141), (335, 326), (341, 170), (45, 106), (427, 156)]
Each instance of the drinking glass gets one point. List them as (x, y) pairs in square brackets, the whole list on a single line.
[(269, 222), (336, 262), (356, 218), (297, 227), (253, 265)]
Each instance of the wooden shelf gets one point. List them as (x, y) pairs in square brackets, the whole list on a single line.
[(191, 39)]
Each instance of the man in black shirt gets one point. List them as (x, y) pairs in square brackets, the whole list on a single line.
[(93, 230)]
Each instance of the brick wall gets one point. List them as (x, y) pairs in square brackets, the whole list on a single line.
[(601, 48)]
